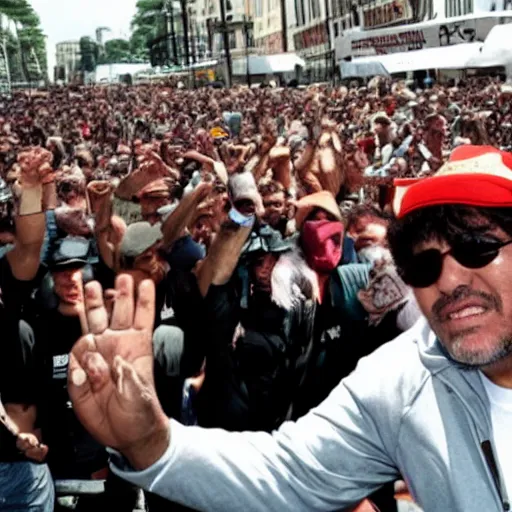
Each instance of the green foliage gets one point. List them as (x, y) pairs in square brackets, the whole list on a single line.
[(147, 24), (116, 50), (88, 54), (24, 40)]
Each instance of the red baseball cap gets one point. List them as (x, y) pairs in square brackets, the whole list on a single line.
[(474, 175)]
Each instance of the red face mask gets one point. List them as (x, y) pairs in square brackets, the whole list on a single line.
[(322, 244)]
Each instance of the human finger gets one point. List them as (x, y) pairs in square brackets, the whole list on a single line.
[(96, 314), (122, 315), (96, 369), (132, 386), (110, 298), (145, 310), (78, 386), (26, 441), (38, 453)]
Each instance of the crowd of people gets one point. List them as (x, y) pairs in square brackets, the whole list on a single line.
[(257, 230)]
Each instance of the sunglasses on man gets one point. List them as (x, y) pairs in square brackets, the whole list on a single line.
[(424, 268)]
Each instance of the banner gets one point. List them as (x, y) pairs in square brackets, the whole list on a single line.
[(431, 34)]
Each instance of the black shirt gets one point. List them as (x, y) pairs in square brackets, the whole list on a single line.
[(72, 451), (15, 350)]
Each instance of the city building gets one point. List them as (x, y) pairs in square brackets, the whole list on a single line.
[(311, 38), (67, 60), (377, 30), (270, 36), (209, 23)]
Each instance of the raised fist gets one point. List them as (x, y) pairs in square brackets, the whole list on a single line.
[(36, 168)]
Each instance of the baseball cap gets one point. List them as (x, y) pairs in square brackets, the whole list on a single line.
[(474, 175), (70, 252), (139, 237)]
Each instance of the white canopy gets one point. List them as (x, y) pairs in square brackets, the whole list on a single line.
[(268, 64), (496, 50), (442, 57), (111, 72), (357, 69)]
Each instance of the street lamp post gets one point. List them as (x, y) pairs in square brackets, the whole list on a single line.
[(284, 26), (186, 43), (172, 49), (225, 37), (247, 26), (193, 47)]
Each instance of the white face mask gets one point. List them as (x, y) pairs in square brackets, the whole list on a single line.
[(374, 254)]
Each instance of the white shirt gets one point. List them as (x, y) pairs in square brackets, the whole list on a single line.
[(501, 417)]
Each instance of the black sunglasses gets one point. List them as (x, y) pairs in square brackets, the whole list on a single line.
[(424, 268)]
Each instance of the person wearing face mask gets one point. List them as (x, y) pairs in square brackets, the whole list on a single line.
[(340, 319), (352, 314)]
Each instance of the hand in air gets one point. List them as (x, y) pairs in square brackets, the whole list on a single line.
[(110, 375)]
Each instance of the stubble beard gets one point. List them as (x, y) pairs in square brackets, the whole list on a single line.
[(473, 359)]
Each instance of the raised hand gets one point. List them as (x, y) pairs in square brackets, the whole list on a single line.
[(110, 377), (100, 199), (35, 165), (151, 168)]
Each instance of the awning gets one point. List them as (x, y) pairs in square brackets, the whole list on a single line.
[(443, 57), (496, 50), (268, 64), (356, 69)]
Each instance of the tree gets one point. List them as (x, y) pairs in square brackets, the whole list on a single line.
[(23, 40), (88, 54), (147, 24), (117, 50)]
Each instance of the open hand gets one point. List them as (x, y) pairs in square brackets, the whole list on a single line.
[(110, 378)]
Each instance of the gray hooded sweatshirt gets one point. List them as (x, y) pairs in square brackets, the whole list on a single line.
[(406, 410)]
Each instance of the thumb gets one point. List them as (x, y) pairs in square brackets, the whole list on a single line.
[(78, 385)]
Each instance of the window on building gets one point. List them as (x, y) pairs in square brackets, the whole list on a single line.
[(232, 40), (250, 38), (315, 9), (355, 16), (229, 5), (336, 29), (300, 14), (258, 8)]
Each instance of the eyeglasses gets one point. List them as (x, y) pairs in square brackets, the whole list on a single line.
[(425, 268)]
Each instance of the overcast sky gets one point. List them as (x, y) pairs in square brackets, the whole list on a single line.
[(70, 19)]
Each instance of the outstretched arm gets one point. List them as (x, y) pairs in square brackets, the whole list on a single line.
[(174, 226), (222, 259), (109, 229), (330, 459)]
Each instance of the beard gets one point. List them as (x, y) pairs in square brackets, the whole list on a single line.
[(471, 359)]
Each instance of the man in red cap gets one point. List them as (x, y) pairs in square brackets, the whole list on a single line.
[(435, 405)]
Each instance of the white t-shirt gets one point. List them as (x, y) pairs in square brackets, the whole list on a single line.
[(501, 417)]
